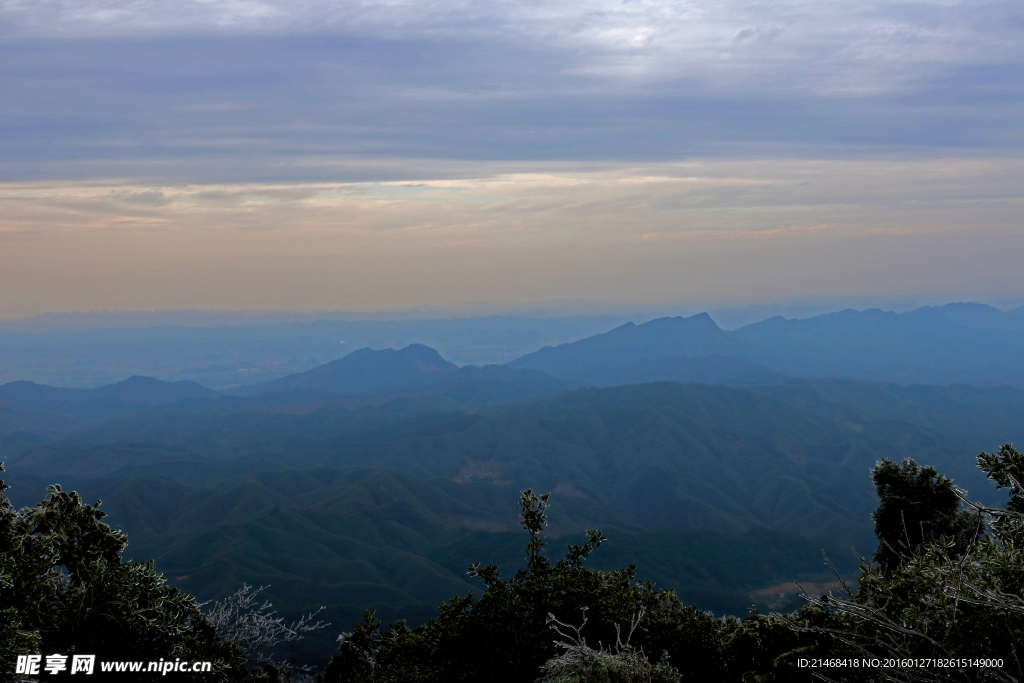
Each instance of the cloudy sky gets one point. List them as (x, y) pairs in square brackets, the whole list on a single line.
[(384, 154)]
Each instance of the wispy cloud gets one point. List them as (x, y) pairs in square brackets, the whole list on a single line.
[(651, 233), (384, 153)]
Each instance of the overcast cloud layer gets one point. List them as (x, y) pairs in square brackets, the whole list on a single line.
[(273, 89), (837, 47), (281, 142)]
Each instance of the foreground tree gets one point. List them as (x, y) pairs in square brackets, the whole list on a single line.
[(505, 634), (954, 597), (917, 506), (64, 589), (947, 586)]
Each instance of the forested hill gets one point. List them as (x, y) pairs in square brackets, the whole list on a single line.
[(955, 343), (716, 490)]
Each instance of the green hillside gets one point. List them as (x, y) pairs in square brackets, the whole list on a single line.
[(717, 491), (374, 538)]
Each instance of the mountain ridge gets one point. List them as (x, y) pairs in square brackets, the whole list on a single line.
[(102, 402), (955, 343)]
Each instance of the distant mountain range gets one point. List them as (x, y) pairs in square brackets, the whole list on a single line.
[(677, 349), (373, 480), (33, 414), (951, 344), (103, 402), (956, 343), (221, 349)]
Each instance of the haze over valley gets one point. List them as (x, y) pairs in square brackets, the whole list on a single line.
[(538, 342), (720, 462)]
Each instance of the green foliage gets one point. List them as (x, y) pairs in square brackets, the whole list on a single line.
[(506, 630), (765, 648), (15, 637), (1006, 469), (65, 589), (598, 666), (951, 590), (955, 594), (938, 604), (917, 506)]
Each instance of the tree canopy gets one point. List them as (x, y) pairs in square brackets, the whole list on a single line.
[(65, 589), (946, 586)]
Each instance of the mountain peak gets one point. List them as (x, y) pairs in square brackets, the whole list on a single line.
[(365, 372), (142, 390), (704, 319), (699, 320), (588, 359), (139, 381)]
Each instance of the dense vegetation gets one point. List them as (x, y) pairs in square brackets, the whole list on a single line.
[(383, 504), (947, 588), (64, 588), (947, 585)]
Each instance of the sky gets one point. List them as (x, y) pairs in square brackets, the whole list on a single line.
[(381, 155)]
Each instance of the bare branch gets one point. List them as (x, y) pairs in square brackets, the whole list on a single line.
[(253, 626)]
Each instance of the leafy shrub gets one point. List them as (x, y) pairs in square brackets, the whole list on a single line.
[(948, 584), (65, 589), (954, 597), (504, 635)]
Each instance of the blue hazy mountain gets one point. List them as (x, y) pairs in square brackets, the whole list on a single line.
[(224, 349), (365, 372), (675, 349), (102, 402), (35, 414), (416, 370), (956, 343)]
